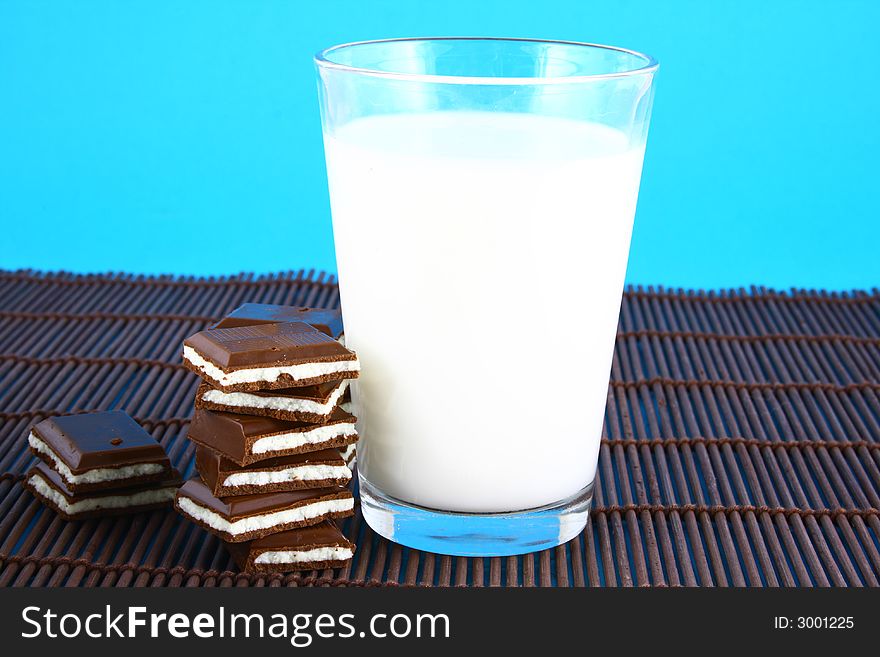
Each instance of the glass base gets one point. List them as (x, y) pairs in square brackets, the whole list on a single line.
[(475, 534)]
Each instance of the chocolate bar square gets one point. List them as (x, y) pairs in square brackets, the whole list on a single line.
[(48, 487), (326, 320), (248, 517), (309, 548), (268, 357), (321, 469), (95, 451), (306, 404), (246, 439)]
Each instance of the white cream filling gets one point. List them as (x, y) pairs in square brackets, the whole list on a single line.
[(301, 556), (296, 473), (154, 496), (348, 453), (97, 475), (265, 521), (295, 439), (248, 400), (299, 372)]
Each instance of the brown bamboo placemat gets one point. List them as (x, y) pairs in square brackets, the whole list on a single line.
[(741, 445)]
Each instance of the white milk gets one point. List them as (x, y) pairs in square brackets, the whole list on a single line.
[(481, 262)]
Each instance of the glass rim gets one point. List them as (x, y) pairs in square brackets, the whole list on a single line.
[(650, 64)]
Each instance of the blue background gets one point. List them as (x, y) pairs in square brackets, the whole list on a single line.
[(158, 136)]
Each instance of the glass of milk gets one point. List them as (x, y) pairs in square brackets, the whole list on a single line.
[(483, 193)]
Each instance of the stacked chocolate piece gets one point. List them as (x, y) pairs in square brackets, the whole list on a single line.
[(97, 464), (269, 425)]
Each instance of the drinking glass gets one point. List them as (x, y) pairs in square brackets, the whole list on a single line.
[(482, 193)]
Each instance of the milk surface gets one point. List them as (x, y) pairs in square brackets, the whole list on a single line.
[(481, 261)]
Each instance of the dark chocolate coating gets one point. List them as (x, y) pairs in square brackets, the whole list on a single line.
[(233, 434), (267, 345), (213, 468), (100, 440), (326, 320)]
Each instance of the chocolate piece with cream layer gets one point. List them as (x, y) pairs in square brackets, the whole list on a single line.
[(248, 517), (321, 469), (48, 487), (310, 548), (305, 404), (267, 357), (246, 439), (96, 451)]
